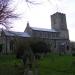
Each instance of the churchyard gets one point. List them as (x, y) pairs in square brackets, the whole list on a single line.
[(51, 64)]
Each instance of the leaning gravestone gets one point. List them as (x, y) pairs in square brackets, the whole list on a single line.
[(36, 71), (30, 72), (25, 71)]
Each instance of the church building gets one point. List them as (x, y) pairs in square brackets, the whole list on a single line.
[(57, 36)]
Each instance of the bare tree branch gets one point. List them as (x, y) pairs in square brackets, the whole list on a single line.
[(6, 13), (32, 2)]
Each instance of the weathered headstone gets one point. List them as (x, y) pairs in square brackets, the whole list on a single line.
[(30, 72), (36, 71)]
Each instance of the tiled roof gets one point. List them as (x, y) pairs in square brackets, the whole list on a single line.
[(43, 29), (12, 33)]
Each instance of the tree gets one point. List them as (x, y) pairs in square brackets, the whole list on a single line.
[(22, 45), (39, 47), (6, 13)]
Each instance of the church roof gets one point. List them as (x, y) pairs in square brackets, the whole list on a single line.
[(12, 33), (43, 29)]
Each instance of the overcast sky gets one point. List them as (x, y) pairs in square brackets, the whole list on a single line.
[(39, 15)]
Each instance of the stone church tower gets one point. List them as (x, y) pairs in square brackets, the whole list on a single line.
[(58, 22)]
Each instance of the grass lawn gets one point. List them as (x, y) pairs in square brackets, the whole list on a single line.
[(57, 65), (9, 65), (49, 65)]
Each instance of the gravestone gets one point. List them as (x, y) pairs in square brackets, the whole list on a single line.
[(30, 72)]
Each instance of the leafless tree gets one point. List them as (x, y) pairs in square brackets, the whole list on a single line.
[(6, 13)]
